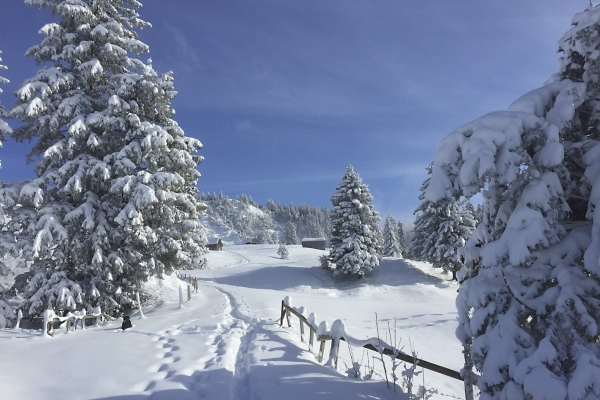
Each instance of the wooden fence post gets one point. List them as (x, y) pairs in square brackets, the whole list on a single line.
[(311, 337), (287, 316), (333, 352), (282, 313), (189, 292), (321, 351)]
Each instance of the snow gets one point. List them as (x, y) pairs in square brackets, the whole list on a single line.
[(226, 342)]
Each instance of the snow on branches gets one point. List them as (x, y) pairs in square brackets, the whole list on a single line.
[(530, 295), (356, 239), (391, 242), (441, 228), (114, 201)]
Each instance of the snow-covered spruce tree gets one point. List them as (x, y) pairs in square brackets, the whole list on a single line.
[(391, 245), (401, 238), (529, 302), (424, 225), (441, 228), (114, 192), (8, 198), (290, 234), (8, 193), (356, 240)]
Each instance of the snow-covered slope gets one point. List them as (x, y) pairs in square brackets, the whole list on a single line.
[(239, 221), (227, 344)]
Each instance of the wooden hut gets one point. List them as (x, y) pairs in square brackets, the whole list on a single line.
[(314, 243), (215, 246)]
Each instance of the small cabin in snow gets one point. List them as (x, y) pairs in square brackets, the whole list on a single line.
[(314, 243), (215, 246)]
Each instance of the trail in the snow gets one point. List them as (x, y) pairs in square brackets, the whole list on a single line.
[(239, 336), (242, 260)]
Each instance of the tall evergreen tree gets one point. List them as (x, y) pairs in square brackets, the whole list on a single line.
[(401, 238), (356, 240), (391, 244), (529, 302), (6, 201), (290, 234), (114, 192), (441, 228)]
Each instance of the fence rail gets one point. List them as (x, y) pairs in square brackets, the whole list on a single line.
[(71, 322), (287, 310)]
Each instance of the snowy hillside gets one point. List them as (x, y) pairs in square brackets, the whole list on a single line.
[(227, 344), (237, 221)]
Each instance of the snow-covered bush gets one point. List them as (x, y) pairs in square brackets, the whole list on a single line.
[(530, 295), (6, 314), (324, 261), (114, 201), (283, 252), (356, 239)]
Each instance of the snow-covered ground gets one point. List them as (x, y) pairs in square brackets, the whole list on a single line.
[(227, 344)]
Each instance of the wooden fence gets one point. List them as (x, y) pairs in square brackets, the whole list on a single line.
[(71, 321), (192, 284), (287, 310)]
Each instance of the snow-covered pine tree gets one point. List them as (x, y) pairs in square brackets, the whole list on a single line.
[(274, 237), (441, 228), (477, 212), (290, 234), (115, 187), (356, 240), (283, 252), (529, 302), (8, 192), (401, 238), (391, 245), (424, 225), (9, 221)]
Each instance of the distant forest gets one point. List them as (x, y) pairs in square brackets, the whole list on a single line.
[(265, 223)]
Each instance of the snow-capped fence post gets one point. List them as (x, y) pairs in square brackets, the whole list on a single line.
[(286, 306), (333, 353), (336, 334), (301, 330), (189, 290), (180, 297), (48, 328), (283, 312), (19, 317), (321, 351), (137, 299)]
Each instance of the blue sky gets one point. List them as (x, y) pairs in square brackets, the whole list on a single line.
[(285, 94)]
